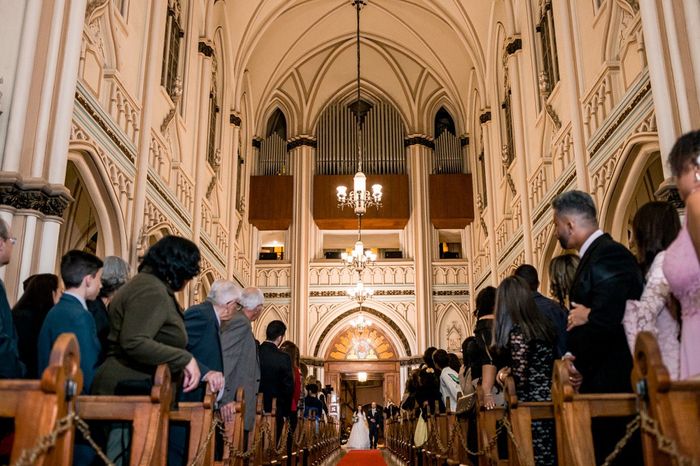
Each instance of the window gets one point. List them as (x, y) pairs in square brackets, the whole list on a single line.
[(482, 179), (549, 65), (212, 150), (171, 51), (508, 148), (450, 244), (271, 245)]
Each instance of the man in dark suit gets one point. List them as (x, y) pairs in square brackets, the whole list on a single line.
[(548, 307), (605, 279), (240, 352), (12, 367), (375, 419), (276, 379)]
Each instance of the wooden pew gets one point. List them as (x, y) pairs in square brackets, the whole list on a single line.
[(521, 414), (37, 405), (573, 413), (149, 416), (202, 432), (672, 407), (487, 428), (234, 433)]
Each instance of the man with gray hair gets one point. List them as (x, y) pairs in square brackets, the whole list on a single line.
[(203, 323), (241, 364), (12, 367), (605, 279)]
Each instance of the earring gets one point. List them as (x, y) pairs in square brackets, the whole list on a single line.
[(697, 176)]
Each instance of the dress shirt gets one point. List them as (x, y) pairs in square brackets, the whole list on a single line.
[(586, 244)]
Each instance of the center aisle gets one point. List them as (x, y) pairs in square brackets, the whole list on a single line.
[(363, 457)]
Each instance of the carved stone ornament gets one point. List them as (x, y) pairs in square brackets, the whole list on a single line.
[(511, 184), (42, 199)]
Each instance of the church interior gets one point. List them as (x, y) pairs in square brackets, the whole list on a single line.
[(370, 165)]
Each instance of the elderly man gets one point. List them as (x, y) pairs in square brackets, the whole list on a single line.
[(240, 351), (11, 367), (203, 322), (605, 279)]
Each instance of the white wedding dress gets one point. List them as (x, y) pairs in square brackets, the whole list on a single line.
[(359, 435)]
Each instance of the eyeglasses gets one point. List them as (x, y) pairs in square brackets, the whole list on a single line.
[(12, 240)]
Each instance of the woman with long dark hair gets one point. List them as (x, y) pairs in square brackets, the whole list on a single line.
[(655, 226), (41, 293), (147, 328), (293, 351), (525, 338), (562, 269)]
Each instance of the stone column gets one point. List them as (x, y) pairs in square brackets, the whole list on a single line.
[(151, 82), (302, 159), (235, 120), (418, 162), (490, 169), (514, 50), (35, 152), (570, 75)]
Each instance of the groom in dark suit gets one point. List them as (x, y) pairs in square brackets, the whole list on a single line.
[(375, 418), (605, 279)]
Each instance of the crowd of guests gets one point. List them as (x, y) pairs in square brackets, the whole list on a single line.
[(127, 326)]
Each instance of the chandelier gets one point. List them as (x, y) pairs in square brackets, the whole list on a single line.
[(360, 323), (359, 198), (360, 293), (359, 257)]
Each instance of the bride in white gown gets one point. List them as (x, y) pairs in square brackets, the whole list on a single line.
[(359, 435)]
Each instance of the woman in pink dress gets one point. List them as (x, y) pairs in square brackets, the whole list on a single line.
[(681, 265)]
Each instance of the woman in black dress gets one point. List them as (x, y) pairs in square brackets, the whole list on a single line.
[(526, 338)]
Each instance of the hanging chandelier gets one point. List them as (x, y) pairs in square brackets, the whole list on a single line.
[(360, 293), (359, 198), (359, 257)]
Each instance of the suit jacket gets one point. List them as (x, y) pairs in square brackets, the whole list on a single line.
[(377, 416), (204, 343), (557, 316), (276, 378), (605, 279), (146, 329), (11, 367), (241, 364), (69, 316)]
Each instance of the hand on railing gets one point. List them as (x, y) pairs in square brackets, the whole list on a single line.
[(215, 379)]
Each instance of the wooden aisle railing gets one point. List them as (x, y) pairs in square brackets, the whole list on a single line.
[(43, 407), (669, 409)]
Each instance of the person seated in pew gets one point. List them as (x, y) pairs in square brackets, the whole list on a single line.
[(311, 402), (525, 338), (41, 293), (147, 328), (12, 366), (115, 274), (81, 273), (654, 227)]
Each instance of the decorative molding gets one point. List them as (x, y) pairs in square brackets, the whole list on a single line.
[(175, 97), (97, 117), (301, 141), (483, 227), (45, 199), (513, 46), (414, 361), (257, 143), (552, 114), (450, 292), (166, 197), (205, 49), (464, 141), (485, 117), (341, 293), (511, 184), (419, 140), (370, 311), (286, 294), (235, 120)]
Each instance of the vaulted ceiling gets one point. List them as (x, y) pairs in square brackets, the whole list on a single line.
[(300, 55)]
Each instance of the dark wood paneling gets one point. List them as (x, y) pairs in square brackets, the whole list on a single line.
[(451, 201), (271, 202), (393, 214)]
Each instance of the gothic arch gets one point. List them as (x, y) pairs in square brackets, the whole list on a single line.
[(108, 211)]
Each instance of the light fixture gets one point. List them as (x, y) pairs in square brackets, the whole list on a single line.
[(362, 376), (359, 257), (359, 198), (360, 323), (360, 293)]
